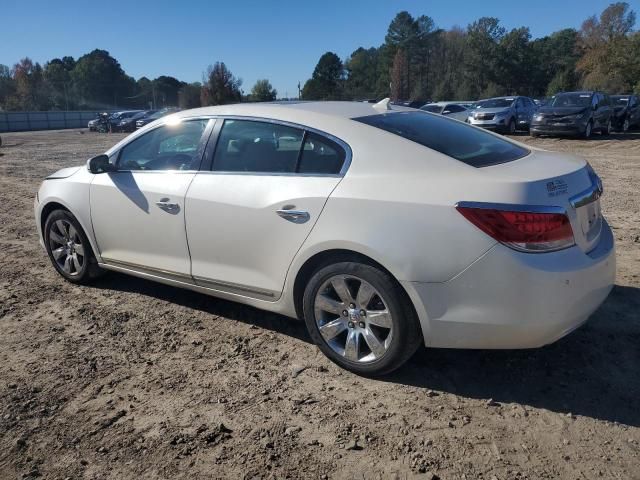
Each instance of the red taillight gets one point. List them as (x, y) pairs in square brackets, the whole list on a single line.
[(526, 231)]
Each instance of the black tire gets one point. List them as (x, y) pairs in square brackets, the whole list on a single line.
[(606, 130), (511, 129), (407, 334), (533, 134), (89, 266), (588, 130)]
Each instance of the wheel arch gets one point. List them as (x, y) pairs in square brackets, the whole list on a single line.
[(50, 205), (334, 255)]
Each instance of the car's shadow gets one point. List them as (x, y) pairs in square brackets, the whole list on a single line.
[(594, 372)]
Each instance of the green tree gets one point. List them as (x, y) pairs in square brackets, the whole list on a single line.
[(100, 82), (7, 86), (165, 90), (220, 86), (482, 55), (263, 91), (362, 74), (189, 95), (326, 81)]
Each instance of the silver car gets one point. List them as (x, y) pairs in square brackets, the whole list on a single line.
[(448, 109), (503, 114)]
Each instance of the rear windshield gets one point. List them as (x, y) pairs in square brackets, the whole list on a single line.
[(467, 144)]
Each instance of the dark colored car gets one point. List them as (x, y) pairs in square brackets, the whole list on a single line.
[(626, 111), (128, 124), (118, 117), (574, 113), (154, 116)]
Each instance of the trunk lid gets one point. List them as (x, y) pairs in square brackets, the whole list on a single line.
[(558, 180)]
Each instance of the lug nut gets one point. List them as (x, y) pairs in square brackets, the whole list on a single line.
[(351, 305), (363, 313), (361, 325), (350, 324), (345, 313)]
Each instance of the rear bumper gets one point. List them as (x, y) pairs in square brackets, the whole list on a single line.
[(508, 299)]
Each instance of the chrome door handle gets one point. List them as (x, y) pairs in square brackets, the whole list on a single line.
[(295, 216), (166, 205)]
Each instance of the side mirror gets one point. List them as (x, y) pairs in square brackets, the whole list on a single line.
[(100, 164)]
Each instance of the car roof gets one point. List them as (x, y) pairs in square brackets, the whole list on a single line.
[(284, 110)]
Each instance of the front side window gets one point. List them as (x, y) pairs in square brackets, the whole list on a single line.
[(170, 147), (469, 145), (252, 146)]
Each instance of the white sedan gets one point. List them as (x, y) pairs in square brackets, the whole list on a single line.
[(382, 227)]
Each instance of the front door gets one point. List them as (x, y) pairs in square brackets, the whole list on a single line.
[(138, 211), (249, 215)]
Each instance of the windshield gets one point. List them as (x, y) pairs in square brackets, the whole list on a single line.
[(432, 108), (570, 100), (470, 145), (495, 103)]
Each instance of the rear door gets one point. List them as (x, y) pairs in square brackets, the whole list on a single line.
[(250, 213)]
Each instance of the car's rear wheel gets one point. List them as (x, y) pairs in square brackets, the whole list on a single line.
[(626, 125), (588, 129), (512, 127), (606, 130), (360, 318), (69, 249)]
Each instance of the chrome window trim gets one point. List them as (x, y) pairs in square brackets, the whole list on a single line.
[(525, 208), (591, 194), (347, 149)]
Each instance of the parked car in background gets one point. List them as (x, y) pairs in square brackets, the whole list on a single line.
[(288, 207), (574, 113), (128, 124), (410, 103), (626, 111), (154, 116), (448, 109), (504, 114), (93, 124)]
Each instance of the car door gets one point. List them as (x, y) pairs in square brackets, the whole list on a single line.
[(247, 217), (137, 212), (634, 110)]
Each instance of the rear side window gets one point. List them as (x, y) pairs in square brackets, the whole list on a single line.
[(263, 147), (467, 144), (320, 155)]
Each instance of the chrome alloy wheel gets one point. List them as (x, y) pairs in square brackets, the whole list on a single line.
[(66, 247), (353, 318)]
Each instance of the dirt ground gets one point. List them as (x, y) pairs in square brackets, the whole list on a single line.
[(131, 379)]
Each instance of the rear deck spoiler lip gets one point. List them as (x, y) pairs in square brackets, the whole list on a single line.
[(591, 194)]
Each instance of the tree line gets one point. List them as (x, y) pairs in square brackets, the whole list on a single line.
[(419, 61), (96, 81)]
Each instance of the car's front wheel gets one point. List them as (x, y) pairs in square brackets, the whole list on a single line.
[(512, 127), (68, 248), (360, 318)]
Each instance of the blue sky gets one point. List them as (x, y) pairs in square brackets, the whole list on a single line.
[(278, 40)]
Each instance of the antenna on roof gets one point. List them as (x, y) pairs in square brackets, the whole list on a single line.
[(383, 104)]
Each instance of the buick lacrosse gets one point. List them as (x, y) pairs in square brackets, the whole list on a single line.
[(382, 227)]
